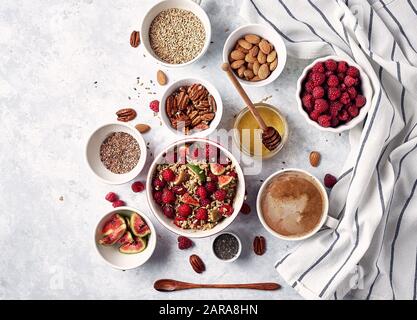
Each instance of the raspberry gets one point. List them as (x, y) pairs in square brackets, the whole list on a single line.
[(213, 177), (321, 105), (226, 210), (157, 196), (318, 92), (352, 92), (204, 202), (309, 86), (211, 186), (184, 243), (211, 152), (220, 195), (245, 208), (349, 81), (341, 76), (168, 175), (318, 67), (314, 115), (333, 81), (158, 184), (324, 121), (184, 210), (344, 116), (330, 65), (168, 211), (232, 174), (118, 203), (329, 180), (317, 78), (180, 190), (344, 98), (201, 214), (178, 221), (353, 72), (333, 93), (353, 111), (360, 101), (335, 107), (334, 122), (154, 105), (201, 192), (328, 73), (343, 87), (308, 101), (112, 197), (342, 66), (138, 186), (167, 196)]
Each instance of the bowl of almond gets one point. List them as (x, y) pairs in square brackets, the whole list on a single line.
[(256, 53)]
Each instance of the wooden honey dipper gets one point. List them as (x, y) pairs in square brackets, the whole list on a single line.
[(270, 136)]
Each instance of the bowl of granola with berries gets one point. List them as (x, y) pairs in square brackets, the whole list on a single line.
[(334, 94), (195, 187)]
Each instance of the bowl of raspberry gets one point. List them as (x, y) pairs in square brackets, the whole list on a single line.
[(195, 187), (334, 94)]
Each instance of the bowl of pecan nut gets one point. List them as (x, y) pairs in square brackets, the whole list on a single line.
[(191, 107)]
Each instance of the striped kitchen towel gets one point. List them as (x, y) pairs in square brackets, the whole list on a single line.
[(372, 254)]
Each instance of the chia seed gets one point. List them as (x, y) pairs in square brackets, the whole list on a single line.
[(226, 246)]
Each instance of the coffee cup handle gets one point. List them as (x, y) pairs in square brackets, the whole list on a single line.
[(331, 222), (197, 1)]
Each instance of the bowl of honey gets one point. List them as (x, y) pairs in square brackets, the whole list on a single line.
[(247, 134)]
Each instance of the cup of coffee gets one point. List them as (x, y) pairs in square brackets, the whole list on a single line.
[(292, 204)]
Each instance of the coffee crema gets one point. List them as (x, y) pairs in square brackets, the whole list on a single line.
[(292, 204)]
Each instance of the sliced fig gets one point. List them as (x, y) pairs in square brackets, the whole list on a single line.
[(186, 198), (138, 245), (225, 180), (126, 238), (114, 222), (113, 237), (144, 231), (217, 169), (136, 222), (182, 176)]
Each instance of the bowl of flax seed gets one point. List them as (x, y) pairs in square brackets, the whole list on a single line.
[(176, 33), (116, 153)]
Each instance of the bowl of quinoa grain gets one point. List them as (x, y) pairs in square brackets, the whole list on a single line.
[(176, 33), (116, 153)]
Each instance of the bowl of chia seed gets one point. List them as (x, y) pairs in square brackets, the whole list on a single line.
[(227, 246)]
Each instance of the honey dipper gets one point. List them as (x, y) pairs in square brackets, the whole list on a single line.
[(270, 136)]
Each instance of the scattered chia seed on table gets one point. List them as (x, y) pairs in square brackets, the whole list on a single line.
[(120, 152), (226, 246)]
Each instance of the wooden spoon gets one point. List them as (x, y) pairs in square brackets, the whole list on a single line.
[(270, 136), (166, 285)]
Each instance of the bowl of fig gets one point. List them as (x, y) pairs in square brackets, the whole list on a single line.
[(125, 238), (334, 94)]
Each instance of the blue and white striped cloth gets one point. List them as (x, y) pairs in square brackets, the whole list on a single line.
[(372, 254)]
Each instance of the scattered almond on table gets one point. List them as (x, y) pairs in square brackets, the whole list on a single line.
[(315, 158), (142, 128), (161, 78)]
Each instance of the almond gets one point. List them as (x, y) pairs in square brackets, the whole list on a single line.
[(244, 44), (237, 64), (241, 71), (250, 58), (271, 56), (252, 38), (237, 55), (315, 158), (245, 51), (142, 128), (248, 74), (161, 78), (263, 71), (255, 78), (265, 46), (197, 264), (254, 51), (273, 65), (261, 57), (256, 67), (250, 66)]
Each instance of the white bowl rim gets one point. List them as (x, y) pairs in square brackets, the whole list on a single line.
[(259, 210), (238, 240), (214, 123), (207, 43), (143, 152), (366, 83), (148, 222), (200, 233), (274, 74)]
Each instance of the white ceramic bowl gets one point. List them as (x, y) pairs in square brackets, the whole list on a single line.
[(111, 254), (267, 33), (187, 82), (168, 223), (92, 152), (367, 91), (238, 252), (189, 5)]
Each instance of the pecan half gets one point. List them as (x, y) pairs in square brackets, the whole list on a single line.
[(181, 121), (182, 100), (259, 245), (208, 116), (135, 39), (197, 92), (197, 264), (202, 105), (212, 103), (171, 106), (126, 114), (202, 126)]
